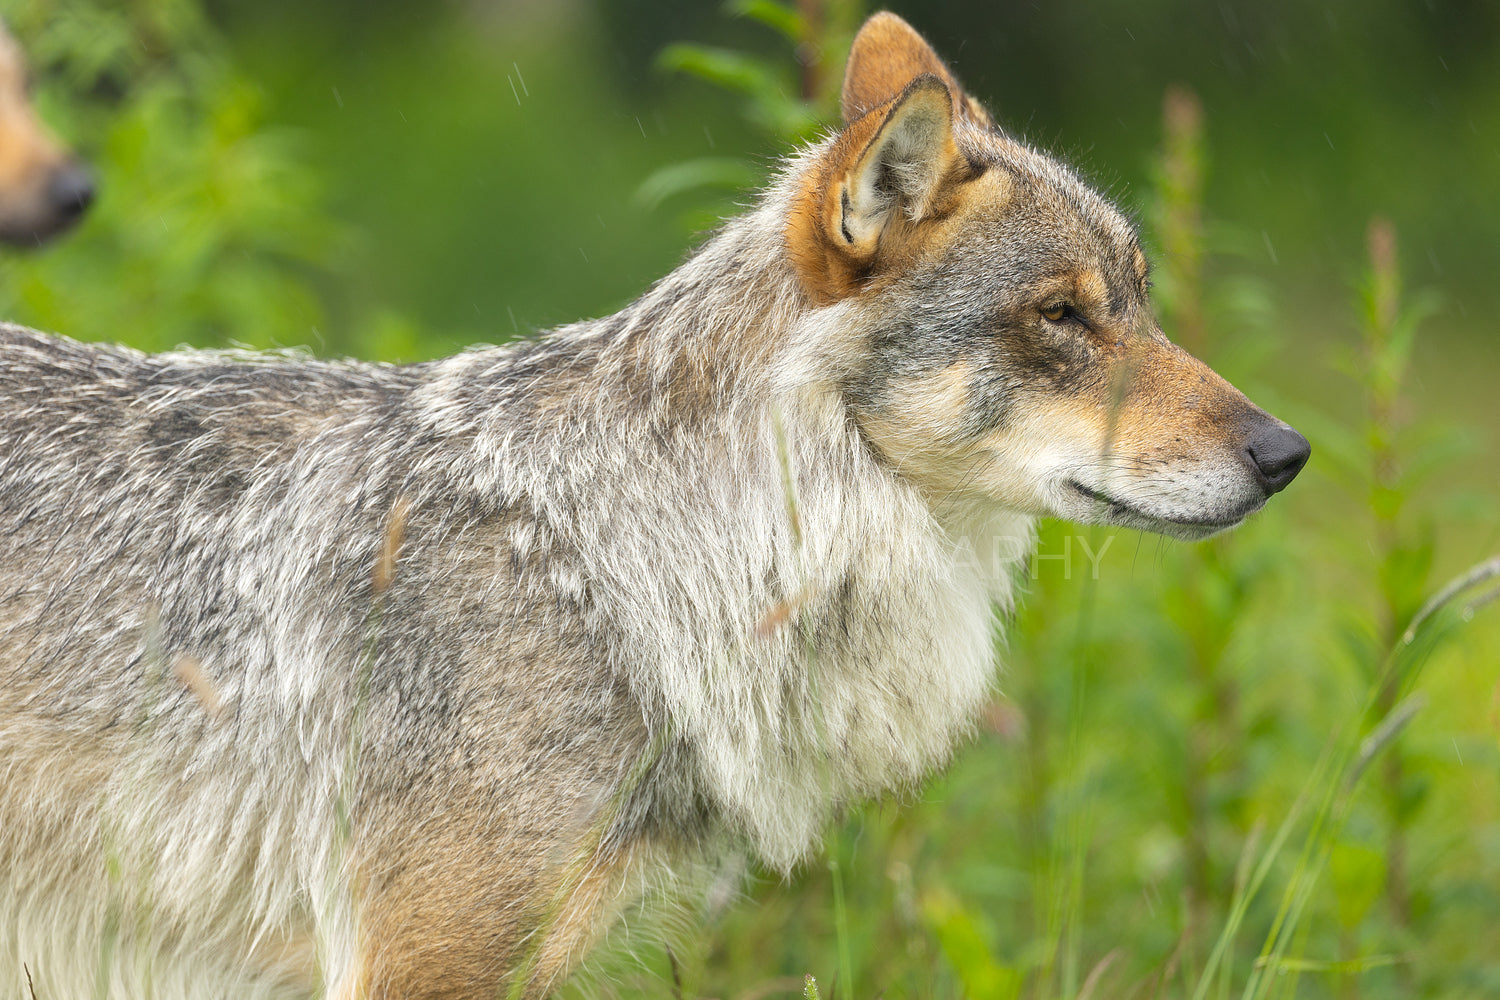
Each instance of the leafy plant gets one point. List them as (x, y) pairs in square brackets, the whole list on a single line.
[(209, 221), (789, 96)]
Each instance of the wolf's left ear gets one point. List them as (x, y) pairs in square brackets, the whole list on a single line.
[(887, 55), (865, 198)]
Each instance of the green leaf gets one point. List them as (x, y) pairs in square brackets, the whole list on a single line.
[(695, 175), (1358, 874), (773, 104), (780, 18), (731, 70), (983, 977)]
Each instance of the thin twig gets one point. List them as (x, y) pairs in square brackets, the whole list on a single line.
[(1382, 735), (1475, 575), (1097, 973)]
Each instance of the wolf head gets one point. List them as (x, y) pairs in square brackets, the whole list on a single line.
[(43, 190), (1004, 347)]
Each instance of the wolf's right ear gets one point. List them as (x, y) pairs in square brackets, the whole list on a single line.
[(886, 56), (860, 205)]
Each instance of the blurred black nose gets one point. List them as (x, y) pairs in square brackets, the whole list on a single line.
[(1278, 453), (70, 191)]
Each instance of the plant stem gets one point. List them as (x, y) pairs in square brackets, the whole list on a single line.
[(1384, 375)]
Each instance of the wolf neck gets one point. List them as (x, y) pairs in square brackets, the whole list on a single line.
[(784, 606), (704, 336)]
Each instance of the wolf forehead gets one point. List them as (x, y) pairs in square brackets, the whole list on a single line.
[(1042, 229), (1024, 231)]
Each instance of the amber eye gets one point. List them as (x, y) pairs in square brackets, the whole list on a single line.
[(1054, 313)]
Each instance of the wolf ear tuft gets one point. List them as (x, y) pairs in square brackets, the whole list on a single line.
[(887, 55), (866, 196)]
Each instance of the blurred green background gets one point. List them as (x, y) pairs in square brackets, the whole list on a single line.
[(396, 180)]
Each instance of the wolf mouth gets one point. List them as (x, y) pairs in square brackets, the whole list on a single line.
[(1133, 516)]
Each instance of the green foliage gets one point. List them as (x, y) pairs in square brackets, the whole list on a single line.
[(768, 87), (1358, 874), (789, 100), (704, 172), (208, 221), (982, 975)]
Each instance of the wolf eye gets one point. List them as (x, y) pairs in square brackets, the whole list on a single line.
[(1055, 313)]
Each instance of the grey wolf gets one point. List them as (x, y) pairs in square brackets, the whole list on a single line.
[(43, 189), (350, 680)]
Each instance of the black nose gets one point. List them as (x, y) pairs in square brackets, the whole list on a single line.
[(1278, 453), (70, 191)]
